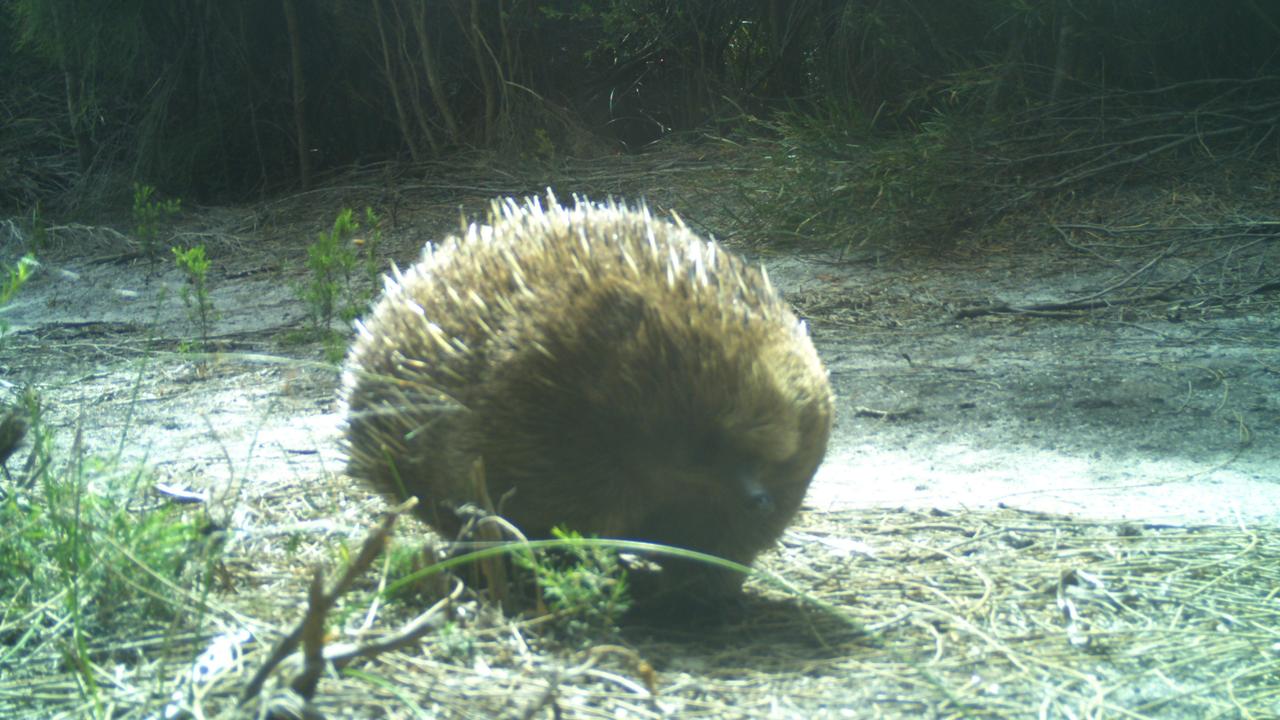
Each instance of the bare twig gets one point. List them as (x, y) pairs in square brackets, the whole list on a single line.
[(322, 602)]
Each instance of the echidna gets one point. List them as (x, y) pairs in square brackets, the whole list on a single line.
[(614, 373)]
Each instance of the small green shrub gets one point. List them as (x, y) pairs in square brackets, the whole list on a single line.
[(369, 245), (148, 213), (195, 294), (586, 586), (39, 240), (333, 289), (329, 259), (12, 278)]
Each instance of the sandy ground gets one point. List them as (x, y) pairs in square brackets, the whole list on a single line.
[(1159, 412), (1167, 415)]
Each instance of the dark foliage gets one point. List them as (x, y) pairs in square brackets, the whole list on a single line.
[(233, 97)]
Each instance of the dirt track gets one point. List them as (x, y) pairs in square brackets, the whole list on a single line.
[(962, 382), (1169, 414)]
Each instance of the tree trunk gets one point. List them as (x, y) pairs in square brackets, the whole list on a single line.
[(73, 87), (1062, 57), (413, 85), (75, 114), (476, 39), (299, 93), (402, 116), (432, 69)]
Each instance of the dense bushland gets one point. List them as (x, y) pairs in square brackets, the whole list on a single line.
[(232, 98)]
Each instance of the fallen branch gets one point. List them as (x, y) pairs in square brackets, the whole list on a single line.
[(311, 629)]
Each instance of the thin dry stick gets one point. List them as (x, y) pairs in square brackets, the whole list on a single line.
[(323, 602)]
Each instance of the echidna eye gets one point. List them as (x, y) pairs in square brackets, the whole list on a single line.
[(757, 498)]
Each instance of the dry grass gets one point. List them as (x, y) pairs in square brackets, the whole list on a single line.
[(987, 614), (993, 614)]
